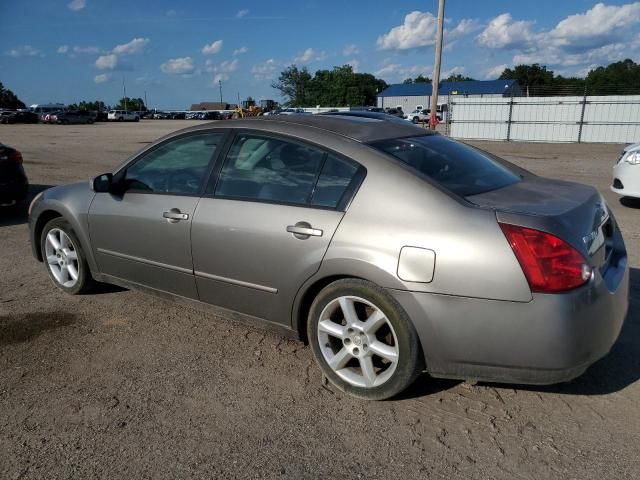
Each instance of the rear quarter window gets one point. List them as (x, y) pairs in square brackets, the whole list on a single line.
[(457, 167)]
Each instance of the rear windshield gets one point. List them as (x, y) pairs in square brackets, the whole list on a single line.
[(457, 167)]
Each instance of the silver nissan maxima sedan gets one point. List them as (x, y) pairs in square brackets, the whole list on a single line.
[(390, 249)]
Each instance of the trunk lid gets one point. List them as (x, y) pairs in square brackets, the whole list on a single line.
[(574, 212)]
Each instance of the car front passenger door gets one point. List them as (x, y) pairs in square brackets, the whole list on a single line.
[(142, 233)]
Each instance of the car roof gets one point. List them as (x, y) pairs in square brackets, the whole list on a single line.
[(364, 127)]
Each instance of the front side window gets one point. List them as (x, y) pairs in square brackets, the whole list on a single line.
[(176, 167), (457, 167), (270, 169)]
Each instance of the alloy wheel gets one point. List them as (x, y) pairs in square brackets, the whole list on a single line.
[(62, 258), (358, 342)]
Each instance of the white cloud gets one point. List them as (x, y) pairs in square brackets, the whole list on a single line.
[(504, 32), (452, 71), (224, 67), (63, 49), (87, 50), (266, 70), (176, 66), (494, 72), (306, 56), (137, 45), (171, 13), (396, 71), (242, 13), (596, 26), (214, 47), (419, 30), (578, 42), (107, 62), (220, 77), (350, 50), (24, 51), (76, 5), (103, 77), (240, 51), (355, 64)]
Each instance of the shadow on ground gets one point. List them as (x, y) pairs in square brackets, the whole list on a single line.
[(630, 202), (24, 327), (18, 214)]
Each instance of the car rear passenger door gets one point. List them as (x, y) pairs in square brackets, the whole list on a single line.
[(142, 233), (266, 221)]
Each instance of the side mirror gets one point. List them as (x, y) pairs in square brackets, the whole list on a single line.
[(102, 183)]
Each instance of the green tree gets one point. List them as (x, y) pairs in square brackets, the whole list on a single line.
[(529, 75), (624, 75), (419, 79), (456, 77), (338, 87), (9, 100), (135, 104), (95, 106)]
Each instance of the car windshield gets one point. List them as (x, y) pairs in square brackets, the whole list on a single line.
[(459, 168)]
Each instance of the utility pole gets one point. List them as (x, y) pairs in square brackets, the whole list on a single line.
[(124, 93), (436, 67), (220, 84), (145, 100)]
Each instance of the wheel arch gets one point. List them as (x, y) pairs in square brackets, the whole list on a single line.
[(306, 296), (45, 217)]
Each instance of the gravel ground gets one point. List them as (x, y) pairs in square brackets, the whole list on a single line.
[(124, 385)]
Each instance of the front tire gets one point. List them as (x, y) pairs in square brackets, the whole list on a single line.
[(64, 258), (363, 340)]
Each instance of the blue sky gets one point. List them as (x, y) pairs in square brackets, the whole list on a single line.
[(177, 51)]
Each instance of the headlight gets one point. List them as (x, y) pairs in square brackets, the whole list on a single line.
[(633, 158), (33, 202)]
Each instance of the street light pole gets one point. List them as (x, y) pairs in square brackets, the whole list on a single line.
[(220, 83), (436, 67)]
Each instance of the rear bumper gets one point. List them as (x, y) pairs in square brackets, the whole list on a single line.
[(553, 338)]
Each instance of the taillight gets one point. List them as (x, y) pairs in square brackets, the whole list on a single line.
[(15, 156), (549, 263)]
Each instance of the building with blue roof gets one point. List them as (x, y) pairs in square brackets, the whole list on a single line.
[(410, 95)]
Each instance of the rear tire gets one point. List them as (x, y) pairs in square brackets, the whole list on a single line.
[(64, 257), (371, 352)]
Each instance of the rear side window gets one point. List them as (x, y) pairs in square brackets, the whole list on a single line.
[(335, 178), (457, 167), (264, 168)]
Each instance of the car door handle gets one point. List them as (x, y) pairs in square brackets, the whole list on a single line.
[(303, 230), (174, 215)]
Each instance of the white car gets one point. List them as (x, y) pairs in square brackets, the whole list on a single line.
[(418, 116), (626, 173), (123, 116), (421, 116), (293, 111)]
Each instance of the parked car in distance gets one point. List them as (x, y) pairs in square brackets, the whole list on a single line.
[(178, 115), (209, 116), (102, 116), (626, 172), (292, 111), (75, 116), (13, 181), (390, 248), (21, 116), (375, 109), (421, 116), (160, 116), (123, 116), (395, 112)]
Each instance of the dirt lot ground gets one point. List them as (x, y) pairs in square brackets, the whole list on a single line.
[(124, 385)]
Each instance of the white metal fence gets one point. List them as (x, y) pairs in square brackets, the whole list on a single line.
[(606, 119)]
